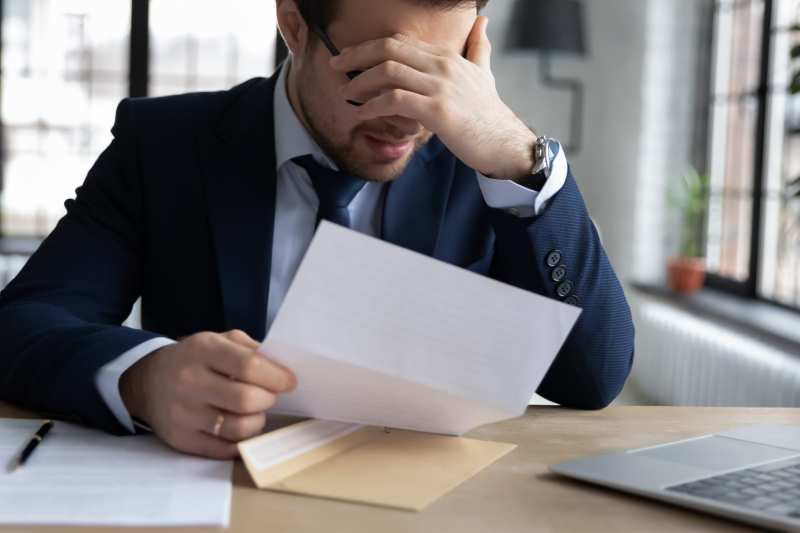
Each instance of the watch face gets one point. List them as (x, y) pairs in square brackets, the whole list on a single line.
[(552, 149)]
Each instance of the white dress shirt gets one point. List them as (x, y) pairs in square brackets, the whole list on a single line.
[(296, 207)]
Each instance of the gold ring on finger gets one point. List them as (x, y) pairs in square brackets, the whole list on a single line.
[(218, 424)]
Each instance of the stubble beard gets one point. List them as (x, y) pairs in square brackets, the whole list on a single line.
[(347, 157)]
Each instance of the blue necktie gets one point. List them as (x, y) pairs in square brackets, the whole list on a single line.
[(334, 189)]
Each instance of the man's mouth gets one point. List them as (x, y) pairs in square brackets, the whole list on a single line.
[(388, 149)]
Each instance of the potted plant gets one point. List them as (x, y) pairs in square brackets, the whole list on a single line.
[(687, 271), (793, 188), (794, 87)]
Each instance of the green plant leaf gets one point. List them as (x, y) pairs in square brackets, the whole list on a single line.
[(794, 87), (793, 188), (691, 199)]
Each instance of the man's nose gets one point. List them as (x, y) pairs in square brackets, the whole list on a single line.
[(404, 127)]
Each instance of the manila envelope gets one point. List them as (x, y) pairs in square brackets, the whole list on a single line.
[(370, 465)]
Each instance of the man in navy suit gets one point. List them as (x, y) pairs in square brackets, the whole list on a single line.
[(204, 204)]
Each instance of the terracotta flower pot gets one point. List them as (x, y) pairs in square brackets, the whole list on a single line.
[(686, 275)]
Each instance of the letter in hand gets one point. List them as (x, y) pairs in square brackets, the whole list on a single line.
[(205, 393)]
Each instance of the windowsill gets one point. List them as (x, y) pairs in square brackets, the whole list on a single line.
[(769, 323), (19, 245)]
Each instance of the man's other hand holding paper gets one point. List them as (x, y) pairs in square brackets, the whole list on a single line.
[(205, 393)]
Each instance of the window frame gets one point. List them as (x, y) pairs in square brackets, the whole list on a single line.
[(749, 288), (138, 78)]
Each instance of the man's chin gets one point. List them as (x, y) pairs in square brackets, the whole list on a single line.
[(363, 161), (382, 171)]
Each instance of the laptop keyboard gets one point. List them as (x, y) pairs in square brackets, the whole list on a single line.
[(772, 489)]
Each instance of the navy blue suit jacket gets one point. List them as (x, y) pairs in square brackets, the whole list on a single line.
[(177, 210)]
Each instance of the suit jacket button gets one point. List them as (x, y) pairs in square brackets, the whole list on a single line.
[(565, 289), (554, 258), (573, 300), (559, 274)]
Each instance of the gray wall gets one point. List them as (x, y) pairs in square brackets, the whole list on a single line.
[(640, 80)]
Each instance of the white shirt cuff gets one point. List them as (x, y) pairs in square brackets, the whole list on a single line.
[(107, 378), (519, 200)]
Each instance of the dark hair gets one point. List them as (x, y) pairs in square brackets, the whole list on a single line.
[(321, 12)]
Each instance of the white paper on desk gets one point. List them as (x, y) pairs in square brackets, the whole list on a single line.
[(381, 335), (79, 476)]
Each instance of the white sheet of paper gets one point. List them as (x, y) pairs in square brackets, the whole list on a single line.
[(79, 476), (381, 335)]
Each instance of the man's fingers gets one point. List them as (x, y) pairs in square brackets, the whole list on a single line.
[(248, 366), (241, 338), (397, 48), (199, 443), (238, 428), (401, 103), (232, 396), (479, 48), (389, 74), (233, 427)]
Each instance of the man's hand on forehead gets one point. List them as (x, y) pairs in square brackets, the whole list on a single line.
[(451, 95)]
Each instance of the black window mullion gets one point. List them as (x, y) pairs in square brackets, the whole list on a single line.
[(760, 155), (139, 64)]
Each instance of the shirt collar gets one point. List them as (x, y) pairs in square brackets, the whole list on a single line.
[(291, 136)]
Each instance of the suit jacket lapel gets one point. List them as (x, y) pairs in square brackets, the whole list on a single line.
[(241, 201), (416, 201)]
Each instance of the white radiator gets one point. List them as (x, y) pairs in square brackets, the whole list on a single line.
[(685, 360)]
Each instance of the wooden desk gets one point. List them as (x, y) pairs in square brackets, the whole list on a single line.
[(517, 493)]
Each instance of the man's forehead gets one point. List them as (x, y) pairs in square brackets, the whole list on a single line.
[(358, 21)]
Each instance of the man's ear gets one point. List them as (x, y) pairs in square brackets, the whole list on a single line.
[(292, 26)]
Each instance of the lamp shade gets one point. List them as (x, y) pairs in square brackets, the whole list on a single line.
[(548, 26)]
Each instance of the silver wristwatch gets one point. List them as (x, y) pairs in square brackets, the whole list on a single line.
[(544, 153)]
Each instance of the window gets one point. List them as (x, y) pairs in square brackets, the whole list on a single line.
[(214, 48), (65, 67), (64, 70), (753, 244)]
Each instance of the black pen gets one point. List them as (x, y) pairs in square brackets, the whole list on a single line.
[(37, 438)]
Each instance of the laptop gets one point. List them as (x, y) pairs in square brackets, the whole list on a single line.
[(750, 474)]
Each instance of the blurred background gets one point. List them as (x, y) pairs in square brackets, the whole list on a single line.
[(680, 118)]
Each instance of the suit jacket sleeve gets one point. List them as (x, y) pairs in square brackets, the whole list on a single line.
[(60, 318), (591, 368)]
